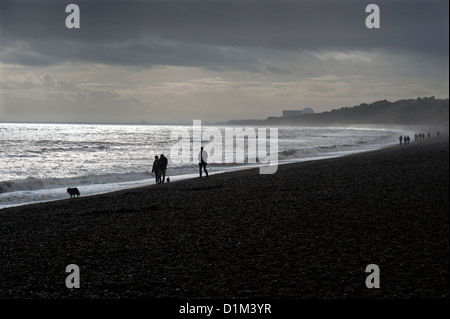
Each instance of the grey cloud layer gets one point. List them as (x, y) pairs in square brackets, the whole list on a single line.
[(211, 34)]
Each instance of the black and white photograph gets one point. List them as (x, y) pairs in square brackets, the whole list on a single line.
[(222, 158)]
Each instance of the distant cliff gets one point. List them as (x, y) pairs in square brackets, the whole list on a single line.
[(421, 111)]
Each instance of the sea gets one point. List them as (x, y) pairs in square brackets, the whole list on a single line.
[(39, 161)]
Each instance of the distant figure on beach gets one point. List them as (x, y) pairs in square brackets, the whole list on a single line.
[(162, 168), (155, 169), (400, 139), (407, 139), (202, 161), (437, 134), (428, 135)]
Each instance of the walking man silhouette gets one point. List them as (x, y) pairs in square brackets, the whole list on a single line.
[(203, 161)]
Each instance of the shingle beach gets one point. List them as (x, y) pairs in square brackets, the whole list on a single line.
[(307, 231)]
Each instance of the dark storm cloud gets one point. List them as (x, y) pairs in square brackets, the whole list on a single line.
[(212, 34)]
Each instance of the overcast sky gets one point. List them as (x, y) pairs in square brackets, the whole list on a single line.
[(215, 60)]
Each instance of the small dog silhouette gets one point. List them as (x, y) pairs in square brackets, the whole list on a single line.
[(168, 180), (73, 192)]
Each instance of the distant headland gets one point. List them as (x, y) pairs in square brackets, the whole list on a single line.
[(420, 111)]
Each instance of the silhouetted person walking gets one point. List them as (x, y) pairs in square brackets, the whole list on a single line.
[(400, 139), (155, 169), (203, 161), (162, 168)]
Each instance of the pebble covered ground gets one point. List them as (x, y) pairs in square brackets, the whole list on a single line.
[(307, 231)]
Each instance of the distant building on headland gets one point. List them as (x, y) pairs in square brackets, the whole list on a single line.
[(294, 113)]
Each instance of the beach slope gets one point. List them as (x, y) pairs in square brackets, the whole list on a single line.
[(308, 231)]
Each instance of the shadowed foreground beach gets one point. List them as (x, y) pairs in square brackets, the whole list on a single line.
[(308, 231)]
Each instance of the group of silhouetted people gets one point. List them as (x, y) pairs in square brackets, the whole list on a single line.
[(420, 137), (404, 139), (417, 137), (159, 169), (160, 166)]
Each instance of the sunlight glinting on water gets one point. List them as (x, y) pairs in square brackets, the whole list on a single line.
[(39, 161)]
